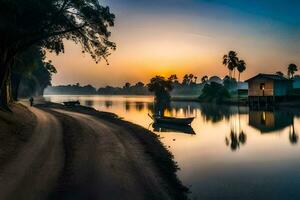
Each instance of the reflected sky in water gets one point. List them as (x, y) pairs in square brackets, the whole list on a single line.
[(234, 154)]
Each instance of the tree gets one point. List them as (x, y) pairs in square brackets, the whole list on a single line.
[(31, 68), (48, 24), (241, 67), (127, 85), (292, 68), (204, 79), (279, 73), (230, 60), (195, 79), (161, 88), (188, 79), (173, 78)]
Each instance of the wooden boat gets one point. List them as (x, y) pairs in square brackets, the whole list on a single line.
[(162, 127), (71, 103), (172, 120)]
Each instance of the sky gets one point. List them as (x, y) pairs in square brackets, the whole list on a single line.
[(164, 37)]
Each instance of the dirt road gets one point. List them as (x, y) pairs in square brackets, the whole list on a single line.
[(77, 156)]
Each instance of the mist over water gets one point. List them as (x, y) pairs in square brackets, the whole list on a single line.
[(229, 152)]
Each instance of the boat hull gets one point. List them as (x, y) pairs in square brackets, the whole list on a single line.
[(171, 120)]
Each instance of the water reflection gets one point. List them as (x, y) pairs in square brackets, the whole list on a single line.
[(160, 127), (108, 104), (293, 136), (270, 121)]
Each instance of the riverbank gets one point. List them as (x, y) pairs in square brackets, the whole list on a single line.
[(103, 156)]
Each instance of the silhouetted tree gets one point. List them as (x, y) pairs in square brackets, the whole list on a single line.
[(279, 73), (241, 67), (161, 88), (188, 79), (48, 23), (292, 68), (173, 78), (204, 79), (230, 60), (127, 85), (32, 70)]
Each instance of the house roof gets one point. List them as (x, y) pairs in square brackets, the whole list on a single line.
[(269, 76)]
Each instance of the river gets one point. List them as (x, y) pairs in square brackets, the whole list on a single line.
[(229, 152)]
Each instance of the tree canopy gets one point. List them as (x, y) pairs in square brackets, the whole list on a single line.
[(161, 88), (47, 24)]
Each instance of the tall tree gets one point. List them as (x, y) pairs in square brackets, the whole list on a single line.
[(48, 23), (292, 68), (161, 88), (241, 67), (230, 60), (173, 78), (32, 68)]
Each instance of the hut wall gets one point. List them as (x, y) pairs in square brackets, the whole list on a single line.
[(254, 87), (282, 88)]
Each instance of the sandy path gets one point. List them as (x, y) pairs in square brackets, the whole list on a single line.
[(77, 156), (33, 172), (122, 170)]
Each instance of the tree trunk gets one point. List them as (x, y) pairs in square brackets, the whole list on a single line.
[(6, 62), (16, 80)]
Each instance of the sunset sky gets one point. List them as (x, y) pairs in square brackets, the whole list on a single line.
[(163, 37)]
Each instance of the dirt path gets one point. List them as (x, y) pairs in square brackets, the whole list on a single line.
[(78, 156), (33, 172), (121, 169)]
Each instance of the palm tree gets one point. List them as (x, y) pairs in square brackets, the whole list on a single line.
[(230, 60), (241, 67), (195, 79), (292, 68)]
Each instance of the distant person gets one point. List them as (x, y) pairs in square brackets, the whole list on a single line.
[(31, 101)]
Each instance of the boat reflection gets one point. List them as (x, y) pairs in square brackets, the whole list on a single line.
[(162, 127)]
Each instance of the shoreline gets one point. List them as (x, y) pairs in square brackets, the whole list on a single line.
[(163, 164), (161, 156)]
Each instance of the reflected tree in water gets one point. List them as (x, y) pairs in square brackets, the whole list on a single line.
[(108, 104), (139, 106), (127, 105), (293, 136), (237, 136), (161, 88)]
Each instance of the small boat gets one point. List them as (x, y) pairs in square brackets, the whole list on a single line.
[(71, 103), (172, 120)]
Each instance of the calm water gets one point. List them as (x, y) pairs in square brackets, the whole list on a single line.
[(234, 154)]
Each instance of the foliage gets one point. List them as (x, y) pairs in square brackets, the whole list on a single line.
[(189, 79), (230, 60), (161, 88), (292, 68), (214, 92), (241, 67), (204, 79), (31, 70), (229, 83), (47, 24), (71, 89), (279, 73)]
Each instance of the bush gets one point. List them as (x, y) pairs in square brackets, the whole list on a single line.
[(214, 92)]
